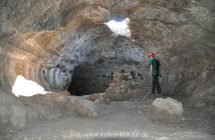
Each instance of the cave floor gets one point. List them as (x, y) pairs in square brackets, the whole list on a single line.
[(121, 121)]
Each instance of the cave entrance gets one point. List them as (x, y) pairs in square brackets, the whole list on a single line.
[(89, 79)]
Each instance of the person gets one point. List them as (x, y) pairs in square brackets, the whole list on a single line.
[(154, 73)]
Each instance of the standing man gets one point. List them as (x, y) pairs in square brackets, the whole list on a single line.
[(154, 73)]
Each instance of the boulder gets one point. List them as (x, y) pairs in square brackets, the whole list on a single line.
[(55, 105), (48, 106), (166, 110)]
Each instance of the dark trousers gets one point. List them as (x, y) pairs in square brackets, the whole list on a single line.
[(155, 84)]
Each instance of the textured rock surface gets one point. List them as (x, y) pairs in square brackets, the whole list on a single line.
[(166, 110), (53, 105), (44, 40)]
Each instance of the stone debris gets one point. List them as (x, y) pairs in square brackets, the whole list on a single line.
[(123, 87), (95, 96), (166, 110), (200, 104), (120, 89)]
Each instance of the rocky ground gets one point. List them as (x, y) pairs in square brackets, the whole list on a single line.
[(125, 117)]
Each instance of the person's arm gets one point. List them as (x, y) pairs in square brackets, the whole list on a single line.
[(150, 67)]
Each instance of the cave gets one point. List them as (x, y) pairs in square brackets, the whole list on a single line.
[(62, 61), (86, 80)]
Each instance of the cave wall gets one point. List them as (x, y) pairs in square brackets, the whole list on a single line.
[(44, 40)]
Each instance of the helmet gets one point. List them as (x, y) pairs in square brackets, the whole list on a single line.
[(151, 54)]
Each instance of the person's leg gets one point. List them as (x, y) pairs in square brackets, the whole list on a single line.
[(157, 84), (153, 84)]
